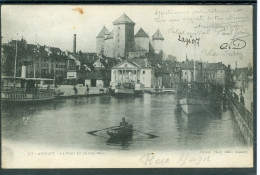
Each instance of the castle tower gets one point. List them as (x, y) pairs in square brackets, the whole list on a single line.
[(109, 45), (100, 40), (157, 41), (123, 36), (142, 41)]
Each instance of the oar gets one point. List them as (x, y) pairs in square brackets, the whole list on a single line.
[(150, 135), (92, 132)]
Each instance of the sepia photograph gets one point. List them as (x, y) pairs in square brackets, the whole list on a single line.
[(127, 86)]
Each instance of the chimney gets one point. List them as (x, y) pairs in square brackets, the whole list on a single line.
[(74, 44)]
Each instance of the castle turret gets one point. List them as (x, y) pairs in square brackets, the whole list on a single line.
[(142, 40), (109, 45), (123, 36), (158, 41), (100, 40)]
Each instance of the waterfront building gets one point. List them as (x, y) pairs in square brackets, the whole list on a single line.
[(98, 78), (38, 61), (134, 70), (216, 73), (122, 43), (168, 74)]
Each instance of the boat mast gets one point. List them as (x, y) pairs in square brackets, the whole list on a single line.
[(15, 56), (34, 59), (194, 64)]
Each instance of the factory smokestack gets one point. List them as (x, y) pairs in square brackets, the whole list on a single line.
[(74, 44)]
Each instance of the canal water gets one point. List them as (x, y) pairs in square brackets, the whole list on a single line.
[(64, 123)]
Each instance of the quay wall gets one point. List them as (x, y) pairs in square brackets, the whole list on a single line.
[(68, 90), (243, 118)]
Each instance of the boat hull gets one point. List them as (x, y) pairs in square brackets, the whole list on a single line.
[(192, 105), (121, 133), (10, 97), (126, 92)]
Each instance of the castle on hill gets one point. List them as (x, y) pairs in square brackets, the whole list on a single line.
[(121, 41)]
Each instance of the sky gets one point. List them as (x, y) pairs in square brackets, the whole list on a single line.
[(209, 27)]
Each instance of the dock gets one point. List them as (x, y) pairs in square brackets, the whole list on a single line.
[(69, 93), (78, 95)]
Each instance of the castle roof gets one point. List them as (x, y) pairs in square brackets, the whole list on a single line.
[(141, 33), (157, 35), (103, 32), (124, 19), (110, 36)]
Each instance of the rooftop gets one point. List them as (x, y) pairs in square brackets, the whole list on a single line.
[(103, 32), (157, 35), (110, 36), (124, 19), (141, 33)]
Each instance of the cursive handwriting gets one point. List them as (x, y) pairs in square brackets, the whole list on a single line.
[(235, 43), (185, 158), (207, 53), (151, 159), (194, 41)]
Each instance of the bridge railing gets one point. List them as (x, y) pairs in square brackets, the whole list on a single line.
[(242, 110)]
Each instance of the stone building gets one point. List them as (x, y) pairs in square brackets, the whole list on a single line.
[(100, 40), (39, 61), (157, 41), (123, 36), (134, 70), (216, 73), (121, 42)]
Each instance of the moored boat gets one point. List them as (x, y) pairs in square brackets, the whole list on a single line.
[(127, 89), (198, 97), (16, 89), (194, 105)]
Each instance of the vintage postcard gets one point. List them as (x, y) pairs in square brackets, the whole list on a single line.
[(127, 86)]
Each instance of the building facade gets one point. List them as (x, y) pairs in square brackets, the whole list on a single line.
[(216, 73), (134, 70), (38, 61)]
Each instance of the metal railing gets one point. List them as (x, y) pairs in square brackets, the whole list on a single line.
[(27, 90), (242, 110)]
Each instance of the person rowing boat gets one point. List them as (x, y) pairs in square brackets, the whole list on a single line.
[(125, 130), (123, 123)]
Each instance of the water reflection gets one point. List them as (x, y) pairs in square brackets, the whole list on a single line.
[(125, 143), (64, 123)]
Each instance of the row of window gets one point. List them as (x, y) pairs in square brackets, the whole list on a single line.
[(204, 74), (60, 66), (60, 71)]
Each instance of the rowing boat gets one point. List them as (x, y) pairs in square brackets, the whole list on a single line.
[(121, 132)]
